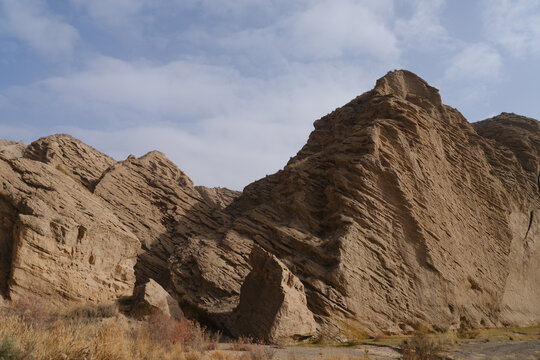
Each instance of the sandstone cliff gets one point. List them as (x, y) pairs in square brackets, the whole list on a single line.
[(57, 240), (395, 213)]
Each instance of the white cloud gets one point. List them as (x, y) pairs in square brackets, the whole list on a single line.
[(423, 30), (515, 25), (221, 127), (29, 21), (475, 62), (325, 30)]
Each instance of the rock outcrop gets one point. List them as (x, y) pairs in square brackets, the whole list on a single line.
[(12, 149), (273, 304), (395, 214), (57, 240), (152, 197), (217, 197), (160, 205), (150, 299), (71, 156)]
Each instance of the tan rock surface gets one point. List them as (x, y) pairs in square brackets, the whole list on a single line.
[(520, 135), (61, 242), (12, 149), (71, 156), (159, 204), (218, 197), (395, 213), (151, 298), (273, 304)]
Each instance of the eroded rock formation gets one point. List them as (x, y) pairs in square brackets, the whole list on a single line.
[(150, 299), (397, 213), (57, 240), (273, 304)]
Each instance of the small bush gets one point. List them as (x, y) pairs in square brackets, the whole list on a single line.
[(92, 311), (466, 332), (220, 355), (189, 334), (32, 310), (8, 350), (420, 347), (242, 343)]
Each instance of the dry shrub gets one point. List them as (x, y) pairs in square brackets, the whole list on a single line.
[(421, 347), (32, 310), (466, 331), (242, 343), (107, 339), (220, 355), (186, 333), (92, 311)]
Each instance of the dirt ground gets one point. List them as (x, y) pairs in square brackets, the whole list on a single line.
[(515, 350), (501, 350)]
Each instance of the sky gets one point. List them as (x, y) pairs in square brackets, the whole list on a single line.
[(229, 89)]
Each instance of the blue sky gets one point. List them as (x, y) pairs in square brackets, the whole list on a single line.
[(229, 89)]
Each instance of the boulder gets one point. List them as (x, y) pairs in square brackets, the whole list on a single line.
[(273, 304), (151, 298)]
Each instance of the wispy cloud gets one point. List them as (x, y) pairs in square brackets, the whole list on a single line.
[(475, 62), (423, 29), (515, 25), (325, 30), (222, 127), (31, 22)]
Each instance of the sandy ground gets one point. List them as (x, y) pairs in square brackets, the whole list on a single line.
[(514, 350), (503, 350), (311, 352)]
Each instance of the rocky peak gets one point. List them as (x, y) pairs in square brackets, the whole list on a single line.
[(408, 86), (382, 207), (70, 156), (519, 134), (12, 149)]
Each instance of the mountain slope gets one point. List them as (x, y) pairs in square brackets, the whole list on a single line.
[(395, 213)]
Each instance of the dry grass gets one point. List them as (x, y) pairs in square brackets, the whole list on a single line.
[(30, 330), (421, 347), (242, 343)]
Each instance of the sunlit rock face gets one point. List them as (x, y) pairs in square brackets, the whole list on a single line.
[(396, 214)]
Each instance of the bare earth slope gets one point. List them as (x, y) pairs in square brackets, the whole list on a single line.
[(395, 213)]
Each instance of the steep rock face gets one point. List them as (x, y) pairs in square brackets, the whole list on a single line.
[(218, 197), (150, 195), (158, 202), (395, 213), (60, 242), (70, 156), (273, 304), (520, 135)]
